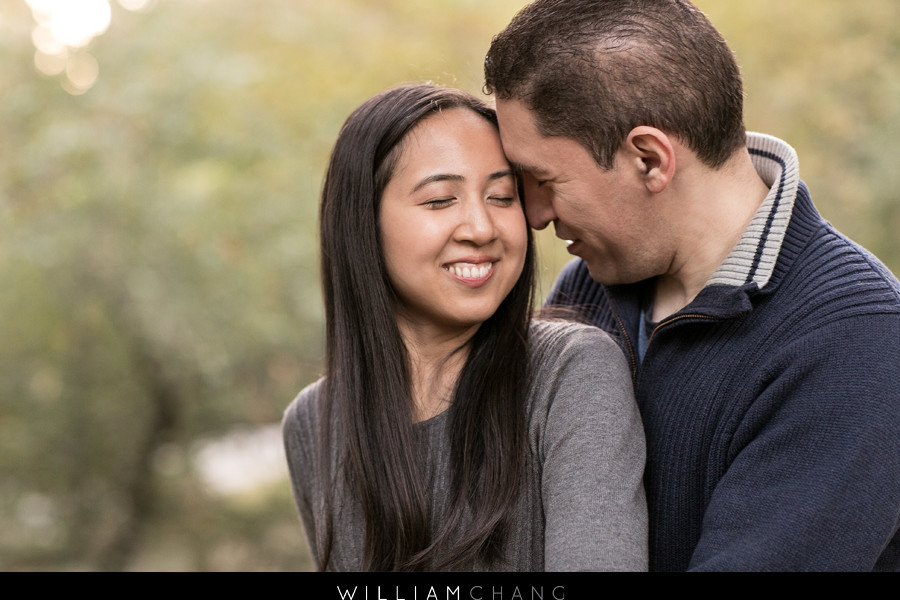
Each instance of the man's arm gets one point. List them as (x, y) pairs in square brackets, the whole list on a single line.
[(814, 482)]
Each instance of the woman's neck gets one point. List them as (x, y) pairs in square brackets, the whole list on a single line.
[(435, 362)]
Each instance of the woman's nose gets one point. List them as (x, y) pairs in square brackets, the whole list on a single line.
[(476, 224)]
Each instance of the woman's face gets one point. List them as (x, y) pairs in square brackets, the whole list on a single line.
[(453, 229)]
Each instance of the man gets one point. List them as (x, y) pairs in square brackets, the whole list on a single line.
[(765, 346)]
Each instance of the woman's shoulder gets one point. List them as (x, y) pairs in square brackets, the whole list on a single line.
[(301, 415), (555, 338), (571, 360)]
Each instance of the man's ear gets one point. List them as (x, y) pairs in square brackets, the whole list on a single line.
[(651, 152)]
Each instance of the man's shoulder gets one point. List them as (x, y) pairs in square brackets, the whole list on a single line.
[(866, 266), (575, 295), (574, 286), (836, 277)]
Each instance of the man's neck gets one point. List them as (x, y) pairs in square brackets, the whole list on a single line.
[(712, 210)]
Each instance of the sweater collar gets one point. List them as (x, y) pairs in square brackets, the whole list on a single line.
[(763, 254), (754, 257)]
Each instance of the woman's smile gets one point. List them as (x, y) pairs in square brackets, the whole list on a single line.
[(453, 229), (472, 272)]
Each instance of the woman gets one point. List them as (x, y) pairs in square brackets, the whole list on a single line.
[(451, 432)]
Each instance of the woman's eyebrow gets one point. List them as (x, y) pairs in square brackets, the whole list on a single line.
[(451, 177), (437, 177), (501, 174), (520, 168)]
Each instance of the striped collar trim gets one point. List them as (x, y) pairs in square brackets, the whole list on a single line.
[(753, 258)]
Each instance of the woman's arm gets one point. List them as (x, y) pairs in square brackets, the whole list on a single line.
[(298, 429), (592, 452)]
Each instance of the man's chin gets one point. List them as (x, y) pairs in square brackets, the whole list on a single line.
[(599, 275), (608, 277)]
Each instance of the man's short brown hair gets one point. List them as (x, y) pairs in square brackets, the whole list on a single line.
[(592, 70)]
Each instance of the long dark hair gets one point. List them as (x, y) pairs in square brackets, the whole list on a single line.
[(366, 418)]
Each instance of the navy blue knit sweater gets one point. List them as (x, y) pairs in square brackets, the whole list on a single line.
[(772, 401)]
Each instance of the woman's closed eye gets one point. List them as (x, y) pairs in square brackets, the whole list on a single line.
[(502, 200), (437, 203)]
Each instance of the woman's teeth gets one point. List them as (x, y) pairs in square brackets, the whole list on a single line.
[(470, 271)]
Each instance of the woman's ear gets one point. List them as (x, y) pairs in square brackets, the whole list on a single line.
[(652, 152)]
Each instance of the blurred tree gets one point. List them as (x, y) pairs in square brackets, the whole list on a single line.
[(158, 237), (159, 249), (825, 76)]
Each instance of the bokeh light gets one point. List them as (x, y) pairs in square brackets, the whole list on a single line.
[(82, 70), (136, 5), (63, 28), (73, 23)]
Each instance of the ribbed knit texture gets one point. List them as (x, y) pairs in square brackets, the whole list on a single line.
[(771, 403), (582, 506)]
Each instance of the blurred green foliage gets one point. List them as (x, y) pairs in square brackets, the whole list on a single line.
[(158, 239)]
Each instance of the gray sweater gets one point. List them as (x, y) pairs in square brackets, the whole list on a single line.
[(581, 506)]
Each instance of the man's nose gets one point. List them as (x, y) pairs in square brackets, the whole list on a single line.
[(538, 203)]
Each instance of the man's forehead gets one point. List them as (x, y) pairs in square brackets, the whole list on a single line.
[(515, 111), (518, 132)]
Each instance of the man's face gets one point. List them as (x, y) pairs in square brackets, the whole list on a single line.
[(605, 214)]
